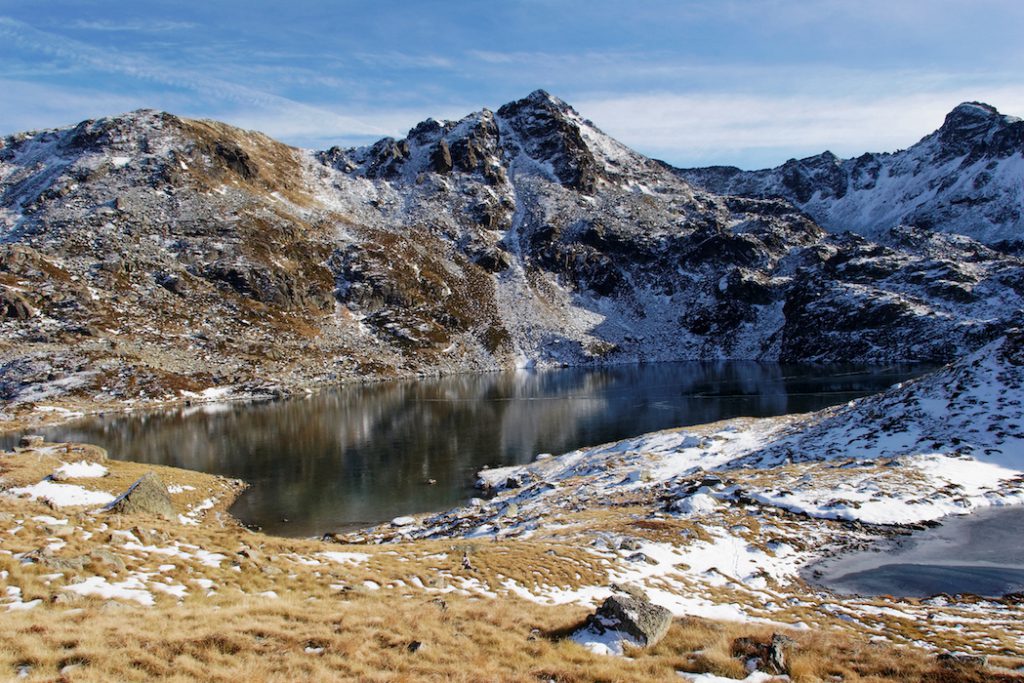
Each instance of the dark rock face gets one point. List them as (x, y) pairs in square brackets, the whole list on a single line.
[(959, 660), (646, 622), (978, 129), (235, 158), (146, 496), (822, 174), (442, 158), (546, 133)]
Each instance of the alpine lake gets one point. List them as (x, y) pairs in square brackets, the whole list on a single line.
[(358, 455)]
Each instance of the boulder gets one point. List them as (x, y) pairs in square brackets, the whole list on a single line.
[(630, 589), (492, 259), (641, 557), (637, 617), (962, 661), (630, 544), (104, 556), (14, 305), (60, 563), (148, 495), (31, 441)]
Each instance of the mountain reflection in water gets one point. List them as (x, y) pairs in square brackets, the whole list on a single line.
[(355, 456)]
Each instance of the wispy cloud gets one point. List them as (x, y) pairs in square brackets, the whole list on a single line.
[(401, 60), (750, 82), (314, 132), (147, 69), (139, 25)]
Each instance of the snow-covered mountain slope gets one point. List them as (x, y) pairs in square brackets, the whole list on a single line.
[(967, 178), (148, 255), (969, 409)]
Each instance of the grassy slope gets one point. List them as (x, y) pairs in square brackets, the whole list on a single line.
[(267, 608)]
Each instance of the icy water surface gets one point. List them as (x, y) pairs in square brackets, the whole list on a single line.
[(359, 455), (980, 553)]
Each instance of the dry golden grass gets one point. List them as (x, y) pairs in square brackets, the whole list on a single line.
[(355, 620), (371, 636)]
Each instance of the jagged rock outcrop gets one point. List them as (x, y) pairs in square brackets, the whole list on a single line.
[(161, 255), (966, 178)]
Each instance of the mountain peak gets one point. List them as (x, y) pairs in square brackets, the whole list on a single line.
[(543, 96), (969, 123), (973, 110), (538, 100), (962, 178)]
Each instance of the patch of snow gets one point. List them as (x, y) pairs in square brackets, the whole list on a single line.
[(603, 642), (82, 470), (132, 588), (338, 556), (62, 495)]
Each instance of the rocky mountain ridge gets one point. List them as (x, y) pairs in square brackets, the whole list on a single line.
[(149, 257), (966, 178)]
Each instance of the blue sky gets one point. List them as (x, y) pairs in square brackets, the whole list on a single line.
[(750, 83)]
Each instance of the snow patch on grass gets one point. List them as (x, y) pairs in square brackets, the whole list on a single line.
[(62, 495)]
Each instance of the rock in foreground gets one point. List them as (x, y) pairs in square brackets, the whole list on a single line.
[(624, 619), (148, 495)]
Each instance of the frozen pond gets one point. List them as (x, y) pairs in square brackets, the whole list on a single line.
[(980, 553), (359, 455)]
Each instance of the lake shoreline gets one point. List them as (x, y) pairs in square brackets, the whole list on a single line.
[(370, 453)]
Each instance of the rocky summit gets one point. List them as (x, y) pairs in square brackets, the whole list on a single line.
[(966, 178), (150, 257)]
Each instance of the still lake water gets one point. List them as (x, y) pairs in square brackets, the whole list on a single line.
[(979, 553), (355, 456)]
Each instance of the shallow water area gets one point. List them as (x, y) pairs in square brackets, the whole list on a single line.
[(979, 553), (359, 455)]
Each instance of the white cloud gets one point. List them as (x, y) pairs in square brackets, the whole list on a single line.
[(310, 129), (764, 129)]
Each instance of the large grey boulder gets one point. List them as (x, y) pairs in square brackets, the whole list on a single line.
[(148, 495), (646, 622)]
